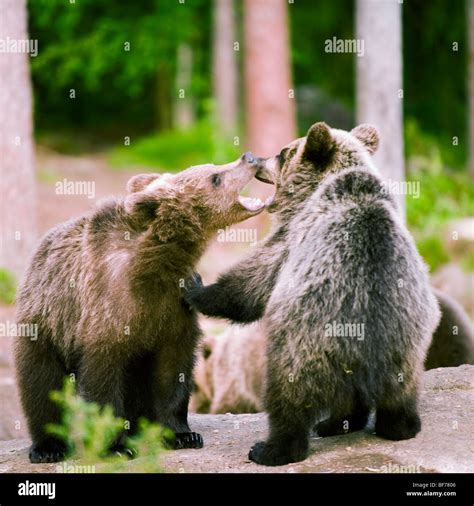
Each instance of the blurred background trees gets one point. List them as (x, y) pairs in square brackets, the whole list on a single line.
[(17, 177), (121, 61), (164, 84)]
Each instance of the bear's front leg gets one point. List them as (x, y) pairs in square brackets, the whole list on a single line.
[(227, 298), (39, 371), (191, 283), (241, 294), (102, 380)]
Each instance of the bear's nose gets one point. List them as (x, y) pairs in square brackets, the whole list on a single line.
[(248, 157)]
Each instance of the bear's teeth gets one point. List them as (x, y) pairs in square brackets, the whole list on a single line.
[(269, 200), (251, 204)]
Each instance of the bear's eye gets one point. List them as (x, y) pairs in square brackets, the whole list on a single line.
[(216, 180)]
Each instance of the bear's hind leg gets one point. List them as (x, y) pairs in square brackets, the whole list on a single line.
[(288, 440), (353, 421), (39, 371), (398, 421), (290, 425)]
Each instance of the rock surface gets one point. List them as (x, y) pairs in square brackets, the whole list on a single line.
[(445, 444)]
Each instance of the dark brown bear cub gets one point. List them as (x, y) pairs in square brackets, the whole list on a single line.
[(104, 291), (344, 295)]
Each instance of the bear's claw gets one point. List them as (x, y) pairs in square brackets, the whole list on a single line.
[(48, 452), (123, 451), (192, 283), (188, 440)]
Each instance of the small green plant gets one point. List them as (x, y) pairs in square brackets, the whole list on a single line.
[(7, 286), (90, 430)]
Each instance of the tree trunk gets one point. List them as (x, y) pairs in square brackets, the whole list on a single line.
[(183, 112), (270, 108), (17, 178), (379, 83), (224, 66), (470, 28)]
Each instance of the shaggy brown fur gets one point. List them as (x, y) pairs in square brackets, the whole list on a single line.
[(231, 367), (339, 257), (453, 340), (105, 293), (230, 371)]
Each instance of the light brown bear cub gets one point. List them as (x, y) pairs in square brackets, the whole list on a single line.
[(105, 293)]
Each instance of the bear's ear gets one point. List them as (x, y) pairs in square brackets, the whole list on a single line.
[(320, 145), (368, 135), (142, 205), (139, 182)]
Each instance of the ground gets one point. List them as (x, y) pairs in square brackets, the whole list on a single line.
[(445, 443)]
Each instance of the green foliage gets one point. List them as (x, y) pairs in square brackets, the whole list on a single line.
[(444, 196), (176, 150), (7, 286), (111, 54), (435, 72), (90, 430), (421, 149), (311, 24), (432, 250), (120, 92), (148, 444), (421, 146)]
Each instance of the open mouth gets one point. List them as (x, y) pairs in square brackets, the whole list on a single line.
[(254, 204)]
